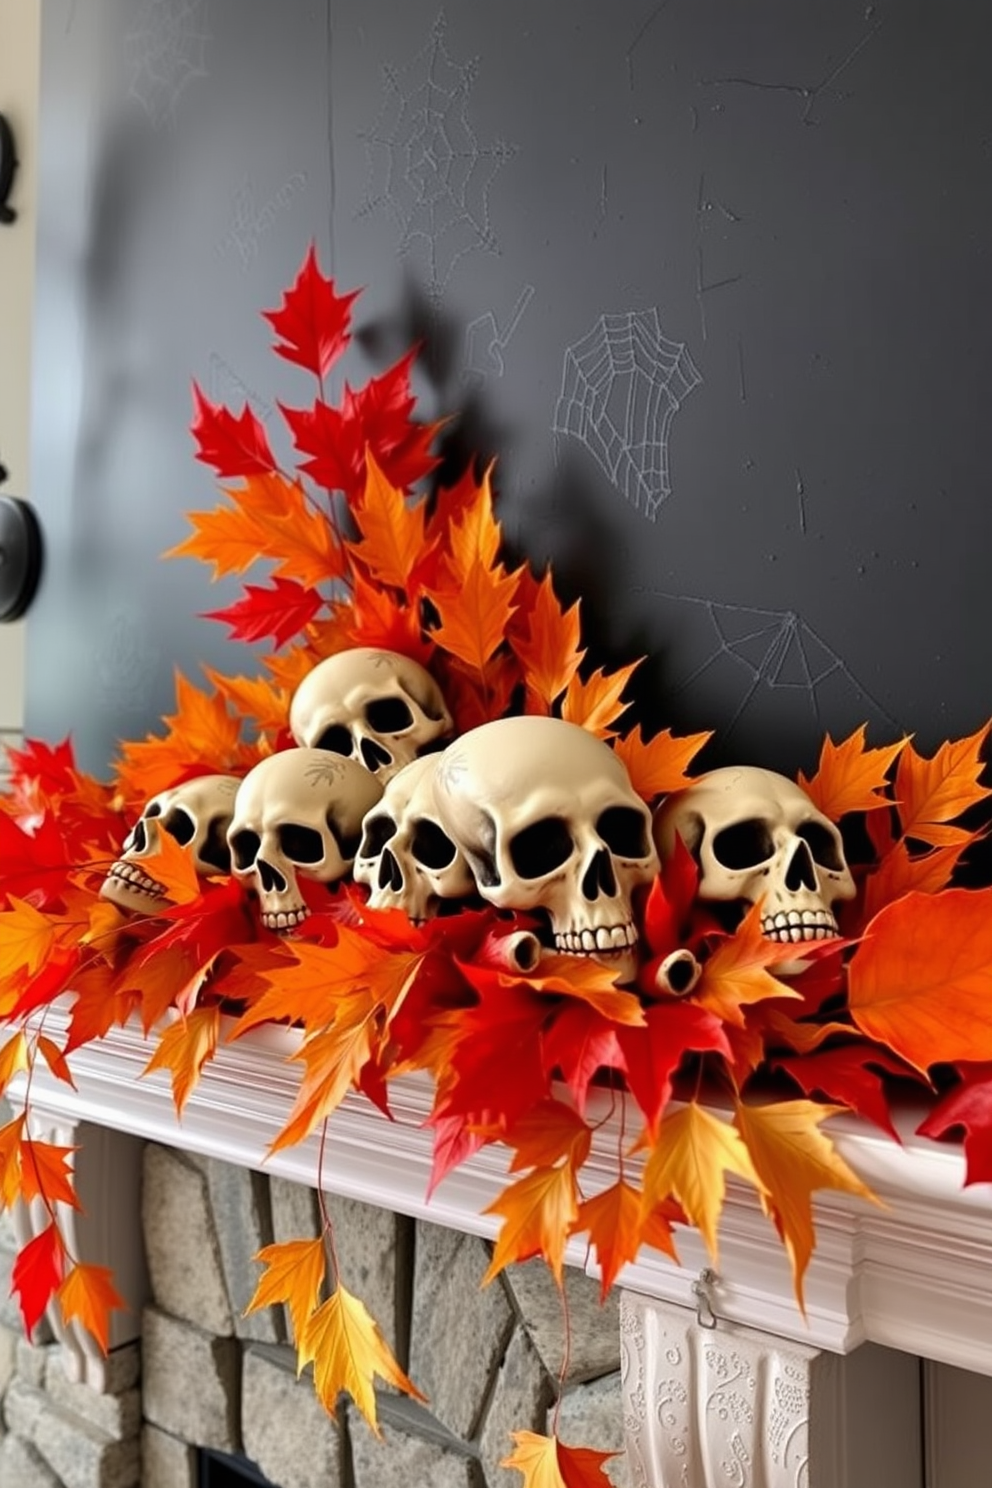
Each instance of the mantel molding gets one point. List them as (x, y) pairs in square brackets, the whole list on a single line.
[(913, 1273)]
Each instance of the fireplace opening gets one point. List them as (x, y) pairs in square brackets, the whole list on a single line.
[(219, 1470)]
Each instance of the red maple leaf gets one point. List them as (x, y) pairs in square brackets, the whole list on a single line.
[(652, 1054), (36, 1272), (967, 1107), (232, 446), (280, 609), (314, 321)]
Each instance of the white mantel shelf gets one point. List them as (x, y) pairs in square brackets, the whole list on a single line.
[(914, 1273)]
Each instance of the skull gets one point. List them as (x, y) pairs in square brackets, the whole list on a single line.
[(757, 836), (548, 820), (197, 815), (297, 813), (378, 707), (406, 857)]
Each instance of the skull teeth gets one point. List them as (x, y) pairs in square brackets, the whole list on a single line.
[(795, 925), (130, 877), (617, 939), (282, 920)]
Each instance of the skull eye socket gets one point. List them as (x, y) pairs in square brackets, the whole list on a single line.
[(624, 831), (215, 850), (180, 825), (378, 831), (300, 844), (244, 847), (154, 808), (390, 715), (431, 847), (336, 739), (743, 845), (823, 845), (541, 848)]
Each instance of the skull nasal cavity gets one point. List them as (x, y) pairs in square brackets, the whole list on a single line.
[(271, 878), (390, 876), (599, 877), (374, 757), (801, 873)]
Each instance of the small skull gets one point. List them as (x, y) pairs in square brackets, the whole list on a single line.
[(756, 835), (297, 813), (197, 815), (375, 706), (406, 858), (548, 820)]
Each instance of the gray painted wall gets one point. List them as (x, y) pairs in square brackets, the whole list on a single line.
[(709, 277)]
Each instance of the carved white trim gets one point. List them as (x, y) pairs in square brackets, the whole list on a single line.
[(914, 1273)]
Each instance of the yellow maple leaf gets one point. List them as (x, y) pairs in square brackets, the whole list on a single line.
[(545, 1462), (539, 1213), (793, 1159), (343, 1342), (689, 1161), (13, 1059), (295, 1275), (184, 1048), (735, 974)]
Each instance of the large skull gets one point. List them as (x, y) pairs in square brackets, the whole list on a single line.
[(406, 857), (547, 818), (376, 706), (298, 812), (757, 836), (197, 815)]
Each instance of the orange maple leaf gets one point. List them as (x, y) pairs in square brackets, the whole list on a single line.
[(588, 981), (200, 729), (549, 1131), (793, 1159), (474, 535), (343, 1342), (614, 1221), (55, 1058), (689, 1159), (735, 974), (171, 866), (184, 1048), (394, 542), (475, 616), (228, 537), (931, 793), (539, 1212), (10, 1161), (254, 698), (659, 766), (921, 979), (595, 704), (549, 650), (295, 1275), (14, 1058), (271, 517), (545, 1462), (333, 1062), (900, 873), (27, 938), (851, 777), (88, 1295), (45, 1173)]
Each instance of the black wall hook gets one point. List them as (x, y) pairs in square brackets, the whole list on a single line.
[(8, 165), (20, 555)]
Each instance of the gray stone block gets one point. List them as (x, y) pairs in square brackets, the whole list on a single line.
[(400, 1461), (31, 1360), (117, 1415), (192, 1382), (594, 1342), (519, 1403), (166, 1462), (78, 1454), (21, 1467), (367, 1240), (460, 1328), (295, 1211), (8, 1358), (184, 1263), (591, 1415), (243, 1224), (285, 1429)]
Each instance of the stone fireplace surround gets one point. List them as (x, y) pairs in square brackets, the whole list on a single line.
[(763, 1399)]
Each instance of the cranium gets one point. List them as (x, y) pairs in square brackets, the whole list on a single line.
[(197, 815), (407, 859), (297, 813), (757, 836), (375, 706), (548, 820)]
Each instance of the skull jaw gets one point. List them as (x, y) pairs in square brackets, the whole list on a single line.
[(127, 887), (609, 937)]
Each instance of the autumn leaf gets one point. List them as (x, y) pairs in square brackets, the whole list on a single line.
[(201, 729), (921, 979), (658, 766), (55, 1058), (968, 1108), (333, 1062), (932, 793), (549, 650), (539, 1212), (548, 1132), (652, 1055), (88, 1296), (579, 1042), (851, 777), (735, 973), (36, 1272), (231, 446), (171, 866), (545, 1462), (45, 1173), (10, 1160), (474, 617), (184, 1048), (595, 704), (294, 1276), (849, 1073), (394, 543), (313, 321), (614, 1222), (689, 1159), (280, 610), (26, 939), (793, 1159), (901, 873), (227, 537), (13, 1058), (348, 1351)]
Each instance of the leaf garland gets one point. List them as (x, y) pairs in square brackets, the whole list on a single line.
[(360, 550)]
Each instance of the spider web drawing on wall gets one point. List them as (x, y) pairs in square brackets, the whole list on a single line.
[(752, 656), (621, 387), (427, 170), (165, 49)]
